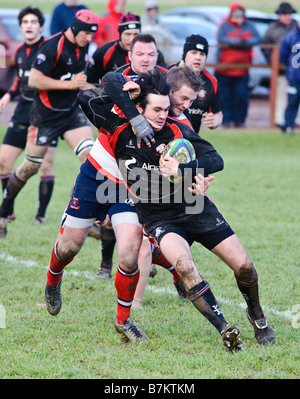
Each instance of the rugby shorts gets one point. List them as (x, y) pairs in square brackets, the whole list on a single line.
[(93, 199), (16, 134), (44, 135), (208, 228)]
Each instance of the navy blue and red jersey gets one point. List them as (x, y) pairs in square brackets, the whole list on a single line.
[(25, 56), (107, 58), (59, 59)]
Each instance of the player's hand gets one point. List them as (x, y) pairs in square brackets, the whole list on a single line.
[(208, 120), (4, 101), (133, 88), (201, 185), (79, 81), (168, 166), (143, 131)]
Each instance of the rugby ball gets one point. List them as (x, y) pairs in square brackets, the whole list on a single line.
[(183, 151)]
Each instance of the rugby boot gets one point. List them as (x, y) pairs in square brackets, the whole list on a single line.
[(231, 338), (180, 289), (53, 298), (263, 332), (3, 227), (131, 331), (39, 220), (103, 274)]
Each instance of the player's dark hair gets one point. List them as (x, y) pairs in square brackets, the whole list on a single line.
[(154, 82), (143, 38), (35, 11), (179, 76)]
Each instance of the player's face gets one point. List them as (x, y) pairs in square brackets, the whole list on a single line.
[(127, 37), (30, 28), (181, 99), (156, 111), (83, 38), (143, 57), (195, 60)]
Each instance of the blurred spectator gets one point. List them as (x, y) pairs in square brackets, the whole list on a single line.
[(237, 36), (63, 15), (153, 26), (109, 23), (274, 35), (289, 56)]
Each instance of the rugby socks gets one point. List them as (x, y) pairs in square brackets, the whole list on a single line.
[(56, 267), (108, 242), (125, 284), (204, 300), (249, 290), (13, 187), (159, 259), (45, 193), (4, 180)]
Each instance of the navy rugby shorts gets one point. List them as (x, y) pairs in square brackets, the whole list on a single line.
[(93, 199)]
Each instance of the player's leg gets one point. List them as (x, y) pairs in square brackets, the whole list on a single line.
[(232, 252), (8, 157), (144, 261), (177, 250), (46, 185), (81, 140), (34, 157), (128, 234)]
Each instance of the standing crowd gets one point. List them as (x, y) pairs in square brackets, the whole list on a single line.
[(138, 104)]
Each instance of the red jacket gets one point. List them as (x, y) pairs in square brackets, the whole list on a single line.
[(240, 39), (108, 25)]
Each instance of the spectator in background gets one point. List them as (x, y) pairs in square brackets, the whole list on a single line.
[(153, 26), (63, 15), (109, 24), (274, 35), (236, 36), (289, 56)]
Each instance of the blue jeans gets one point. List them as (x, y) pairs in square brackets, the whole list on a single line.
[(291, 110), (234, 97)]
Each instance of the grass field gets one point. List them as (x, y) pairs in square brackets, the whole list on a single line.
[(258, 191)]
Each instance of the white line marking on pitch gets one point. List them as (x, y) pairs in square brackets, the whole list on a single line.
[(91, 276)]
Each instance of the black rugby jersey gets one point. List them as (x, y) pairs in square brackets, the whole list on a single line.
[(25, 56), (107, 58), (141, 166), (60, 59), (208, 99)]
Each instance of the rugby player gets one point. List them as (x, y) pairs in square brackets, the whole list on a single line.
[(57, 75), (31, 22), (100, 173), (207, 105), (213, 232)]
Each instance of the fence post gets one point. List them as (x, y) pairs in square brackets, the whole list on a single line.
[(273, 83)]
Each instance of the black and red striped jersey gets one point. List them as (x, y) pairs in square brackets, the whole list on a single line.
[(141, 166), (106, 58), (25, 56), (59, 59), (208, 100)]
